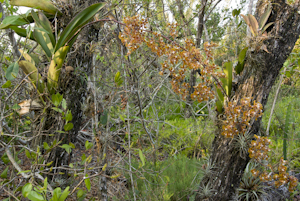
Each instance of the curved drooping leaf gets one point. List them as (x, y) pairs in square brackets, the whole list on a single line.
[(265, 16), (265, 27), (44, 5), (14, 20), (55, 67), (42, 38), (246, 19), (22, 32), (35, 77), (72, 29), (252, 23), (42, 21)]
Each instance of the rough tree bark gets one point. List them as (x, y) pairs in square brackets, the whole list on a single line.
[(264, 59), (71, 84)]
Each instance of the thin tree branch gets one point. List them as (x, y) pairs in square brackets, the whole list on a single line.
[(274, 102), (17, 167)]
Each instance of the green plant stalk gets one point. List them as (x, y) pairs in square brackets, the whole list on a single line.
[(55, 67), (286, 129)]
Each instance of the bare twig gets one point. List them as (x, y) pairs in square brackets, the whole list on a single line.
[(18, 86), (11, 194), (26, 176), (128, 126)]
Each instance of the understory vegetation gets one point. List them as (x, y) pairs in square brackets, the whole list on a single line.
[(126, 100)]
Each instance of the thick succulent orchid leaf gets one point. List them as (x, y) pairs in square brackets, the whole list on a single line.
[(267, 26), (42, 21), (43, 39), (264, 18), (241, 61), (13, 20), (228, 73), (254, 24), (220, 100), (72, 29)]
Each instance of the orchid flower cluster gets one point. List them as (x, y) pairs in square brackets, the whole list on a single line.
[(238, 116), (179, 59)]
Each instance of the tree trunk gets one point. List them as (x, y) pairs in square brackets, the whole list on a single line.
[(71, 84), (264, 59)]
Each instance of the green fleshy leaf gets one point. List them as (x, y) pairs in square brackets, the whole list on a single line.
[(4, 173), (88, 145), (87, 182), (7, 84), (26, 189), (14, 20), (12, 71), (68, 126), (69, 116), (35, 196), (142, 157)]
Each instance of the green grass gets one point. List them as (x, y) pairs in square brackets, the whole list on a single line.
[(185, 136), (288, 95), (173, 179)]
